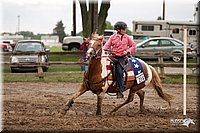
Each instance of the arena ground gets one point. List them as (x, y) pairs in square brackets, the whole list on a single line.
[(35, 106)]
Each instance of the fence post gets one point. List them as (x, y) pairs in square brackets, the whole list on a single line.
[(160, 61), (40, 73)]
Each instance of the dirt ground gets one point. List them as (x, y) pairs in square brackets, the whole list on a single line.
[(35, 106)]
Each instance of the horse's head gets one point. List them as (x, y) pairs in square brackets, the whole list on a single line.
[(95, 45)]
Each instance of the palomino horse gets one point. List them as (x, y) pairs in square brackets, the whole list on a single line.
[(96, 79)]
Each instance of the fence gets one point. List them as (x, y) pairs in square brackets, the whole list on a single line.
[(160, 64)]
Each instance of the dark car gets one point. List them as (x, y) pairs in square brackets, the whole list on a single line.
[(28, 46), (171, 47)]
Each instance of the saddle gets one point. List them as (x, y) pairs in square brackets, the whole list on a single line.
[(133, 71), (127, 67)]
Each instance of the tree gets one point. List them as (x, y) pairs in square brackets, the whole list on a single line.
[(59, 30), (159, 18), (109, 25), (87, 15), (129, 32), (26, 34)]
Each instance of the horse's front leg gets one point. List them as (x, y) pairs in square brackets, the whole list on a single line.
[(81, 90), (100, 97)]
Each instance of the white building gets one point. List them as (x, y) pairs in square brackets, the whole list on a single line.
[(50, 40), (14, 38)]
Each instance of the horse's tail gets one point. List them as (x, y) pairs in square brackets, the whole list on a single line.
[(158, 87)]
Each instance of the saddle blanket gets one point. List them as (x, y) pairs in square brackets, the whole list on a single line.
[(138, 70), (134, 72)]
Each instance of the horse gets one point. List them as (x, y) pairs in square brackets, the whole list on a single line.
[(96, 79)]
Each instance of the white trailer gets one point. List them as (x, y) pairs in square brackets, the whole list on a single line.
[(161, 28)]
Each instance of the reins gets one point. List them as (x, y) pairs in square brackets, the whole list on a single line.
[(88, 83)]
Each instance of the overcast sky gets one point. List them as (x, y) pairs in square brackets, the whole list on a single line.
[(41, 16)]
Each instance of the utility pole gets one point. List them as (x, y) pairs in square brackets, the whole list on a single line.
[(18, 24), (198, 40), (73, 33), (163, 9)]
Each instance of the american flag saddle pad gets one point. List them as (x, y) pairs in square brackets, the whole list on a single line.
[(134, 70)]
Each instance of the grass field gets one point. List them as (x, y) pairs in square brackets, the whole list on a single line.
[(74, 78)]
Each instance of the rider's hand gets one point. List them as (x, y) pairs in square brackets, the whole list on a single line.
[(126, 52)]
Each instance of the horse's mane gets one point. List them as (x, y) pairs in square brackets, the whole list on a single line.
[(97, 37)]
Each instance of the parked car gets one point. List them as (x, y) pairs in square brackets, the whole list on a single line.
[(72, 43), (10, 42), (107, 34), (5, 47), (27, 46), (166, 45)]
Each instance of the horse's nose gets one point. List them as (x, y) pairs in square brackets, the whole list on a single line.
[(88, 54)]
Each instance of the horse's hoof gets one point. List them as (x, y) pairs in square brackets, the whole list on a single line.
[(142, 110), (63, 111), (111, 113), (98, 113)]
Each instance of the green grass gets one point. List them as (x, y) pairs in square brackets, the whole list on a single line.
[(64, 68), (54, 48), (77, 68), (6, 69), (77, 76), (66, 57)]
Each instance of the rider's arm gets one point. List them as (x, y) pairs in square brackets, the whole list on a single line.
[(132, 46), (108, 44)]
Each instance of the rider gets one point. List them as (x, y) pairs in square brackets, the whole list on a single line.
[(121, 45)]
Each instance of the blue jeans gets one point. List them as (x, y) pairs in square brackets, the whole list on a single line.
[(120, 73)]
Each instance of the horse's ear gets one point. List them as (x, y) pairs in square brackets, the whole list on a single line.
[(101, 38), (92, 35)]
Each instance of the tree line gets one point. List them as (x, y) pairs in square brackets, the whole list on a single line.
[(86, 13)]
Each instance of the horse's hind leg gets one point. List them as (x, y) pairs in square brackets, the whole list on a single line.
[(136, 88), (141, 93), (128, 100), (82, 90)]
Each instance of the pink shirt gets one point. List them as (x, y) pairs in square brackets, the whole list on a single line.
[(119, 46)]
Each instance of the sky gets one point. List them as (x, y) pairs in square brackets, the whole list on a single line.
[(41, 16)]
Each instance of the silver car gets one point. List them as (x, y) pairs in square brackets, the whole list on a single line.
[(169, 46), (27, 46)]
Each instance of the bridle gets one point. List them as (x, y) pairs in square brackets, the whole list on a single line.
[(95, 54)]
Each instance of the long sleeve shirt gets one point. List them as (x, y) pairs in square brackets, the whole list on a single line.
[(120, 44)]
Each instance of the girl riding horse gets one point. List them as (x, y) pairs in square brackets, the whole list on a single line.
[(96, 79)]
